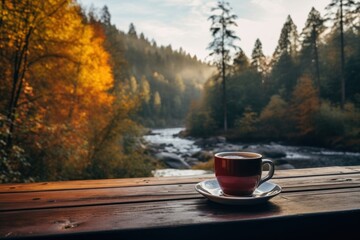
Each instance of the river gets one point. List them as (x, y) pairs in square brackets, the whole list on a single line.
[(294, 156)]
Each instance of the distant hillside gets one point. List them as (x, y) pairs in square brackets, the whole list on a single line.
[(167, 80)]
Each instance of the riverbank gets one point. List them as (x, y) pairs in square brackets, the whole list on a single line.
[(177, 152)]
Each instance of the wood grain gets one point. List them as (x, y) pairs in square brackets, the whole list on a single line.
[(323, 201), (82, 197), (109, 183), (168, 214)]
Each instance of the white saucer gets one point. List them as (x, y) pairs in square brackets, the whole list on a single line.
[(211, 190)]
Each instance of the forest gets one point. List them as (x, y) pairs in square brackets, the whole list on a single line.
[(76, 93), (307, 92)]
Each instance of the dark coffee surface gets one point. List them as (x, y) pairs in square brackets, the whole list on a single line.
[(239, 155), (233, 167)]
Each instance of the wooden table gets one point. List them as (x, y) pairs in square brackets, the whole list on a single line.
[(317, 201)]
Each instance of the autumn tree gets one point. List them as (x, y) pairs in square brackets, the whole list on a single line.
[(74, 123), (157, 101), (22, 28), (24, 43), (60, 102), (304, 104), (223, 42)]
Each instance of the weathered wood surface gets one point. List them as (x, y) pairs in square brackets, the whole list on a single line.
[(320, 201), (93, 184)]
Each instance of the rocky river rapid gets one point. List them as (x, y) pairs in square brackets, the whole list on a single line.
[(180, 154)]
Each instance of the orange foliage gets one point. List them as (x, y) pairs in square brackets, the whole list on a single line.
[(65, 109), (304, 104)]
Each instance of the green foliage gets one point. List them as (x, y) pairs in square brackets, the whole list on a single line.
[(246, 126), (167, 80), (223, 42), (258, 59), (283, 77), (294, 93), (72, 95), (199, 122), (338, 127), (108, 163), (223, 36), (288, 41), (329, 121), (274, 117), (14, 167)]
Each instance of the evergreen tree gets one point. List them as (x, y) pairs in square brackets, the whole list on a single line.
[(258, 59), (223, 42), (289, 40), (241, 62), (284, 71), (342, 8), (132, 31), (105, 17), (314, 26)]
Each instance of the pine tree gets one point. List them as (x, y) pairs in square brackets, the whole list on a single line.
[(284, 68), (343, 8), (289, 40), (105, 16), (223, 42), (241, 62), (258, 59), (314, 26), (132, 31)]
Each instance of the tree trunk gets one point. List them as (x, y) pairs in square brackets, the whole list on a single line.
[(316, 55), (223, 72), (20, 65), (224, 95), (343, 96)]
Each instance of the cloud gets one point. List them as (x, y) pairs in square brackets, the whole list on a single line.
[(271, 6), (183, 23), (268, 32)]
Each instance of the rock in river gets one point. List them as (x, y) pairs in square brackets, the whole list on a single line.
[(172, 160)]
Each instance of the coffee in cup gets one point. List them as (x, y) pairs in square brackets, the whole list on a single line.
[(239, 173)]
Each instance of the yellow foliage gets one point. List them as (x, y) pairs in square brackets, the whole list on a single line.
[(67, 111)]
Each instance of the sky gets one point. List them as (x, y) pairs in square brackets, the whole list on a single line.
[(184, 23)]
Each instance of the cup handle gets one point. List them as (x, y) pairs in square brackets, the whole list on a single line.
[(271, 170)]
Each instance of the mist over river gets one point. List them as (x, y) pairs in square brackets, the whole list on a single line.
[(284, 155)]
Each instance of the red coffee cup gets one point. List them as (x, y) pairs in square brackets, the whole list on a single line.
[(239, 173)]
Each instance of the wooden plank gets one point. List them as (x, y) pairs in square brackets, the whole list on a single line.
[(353, 168), (126, 220), (82, 197), (321, 171), (319, 182), (114, 183), (103, 183), (47, 199)]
